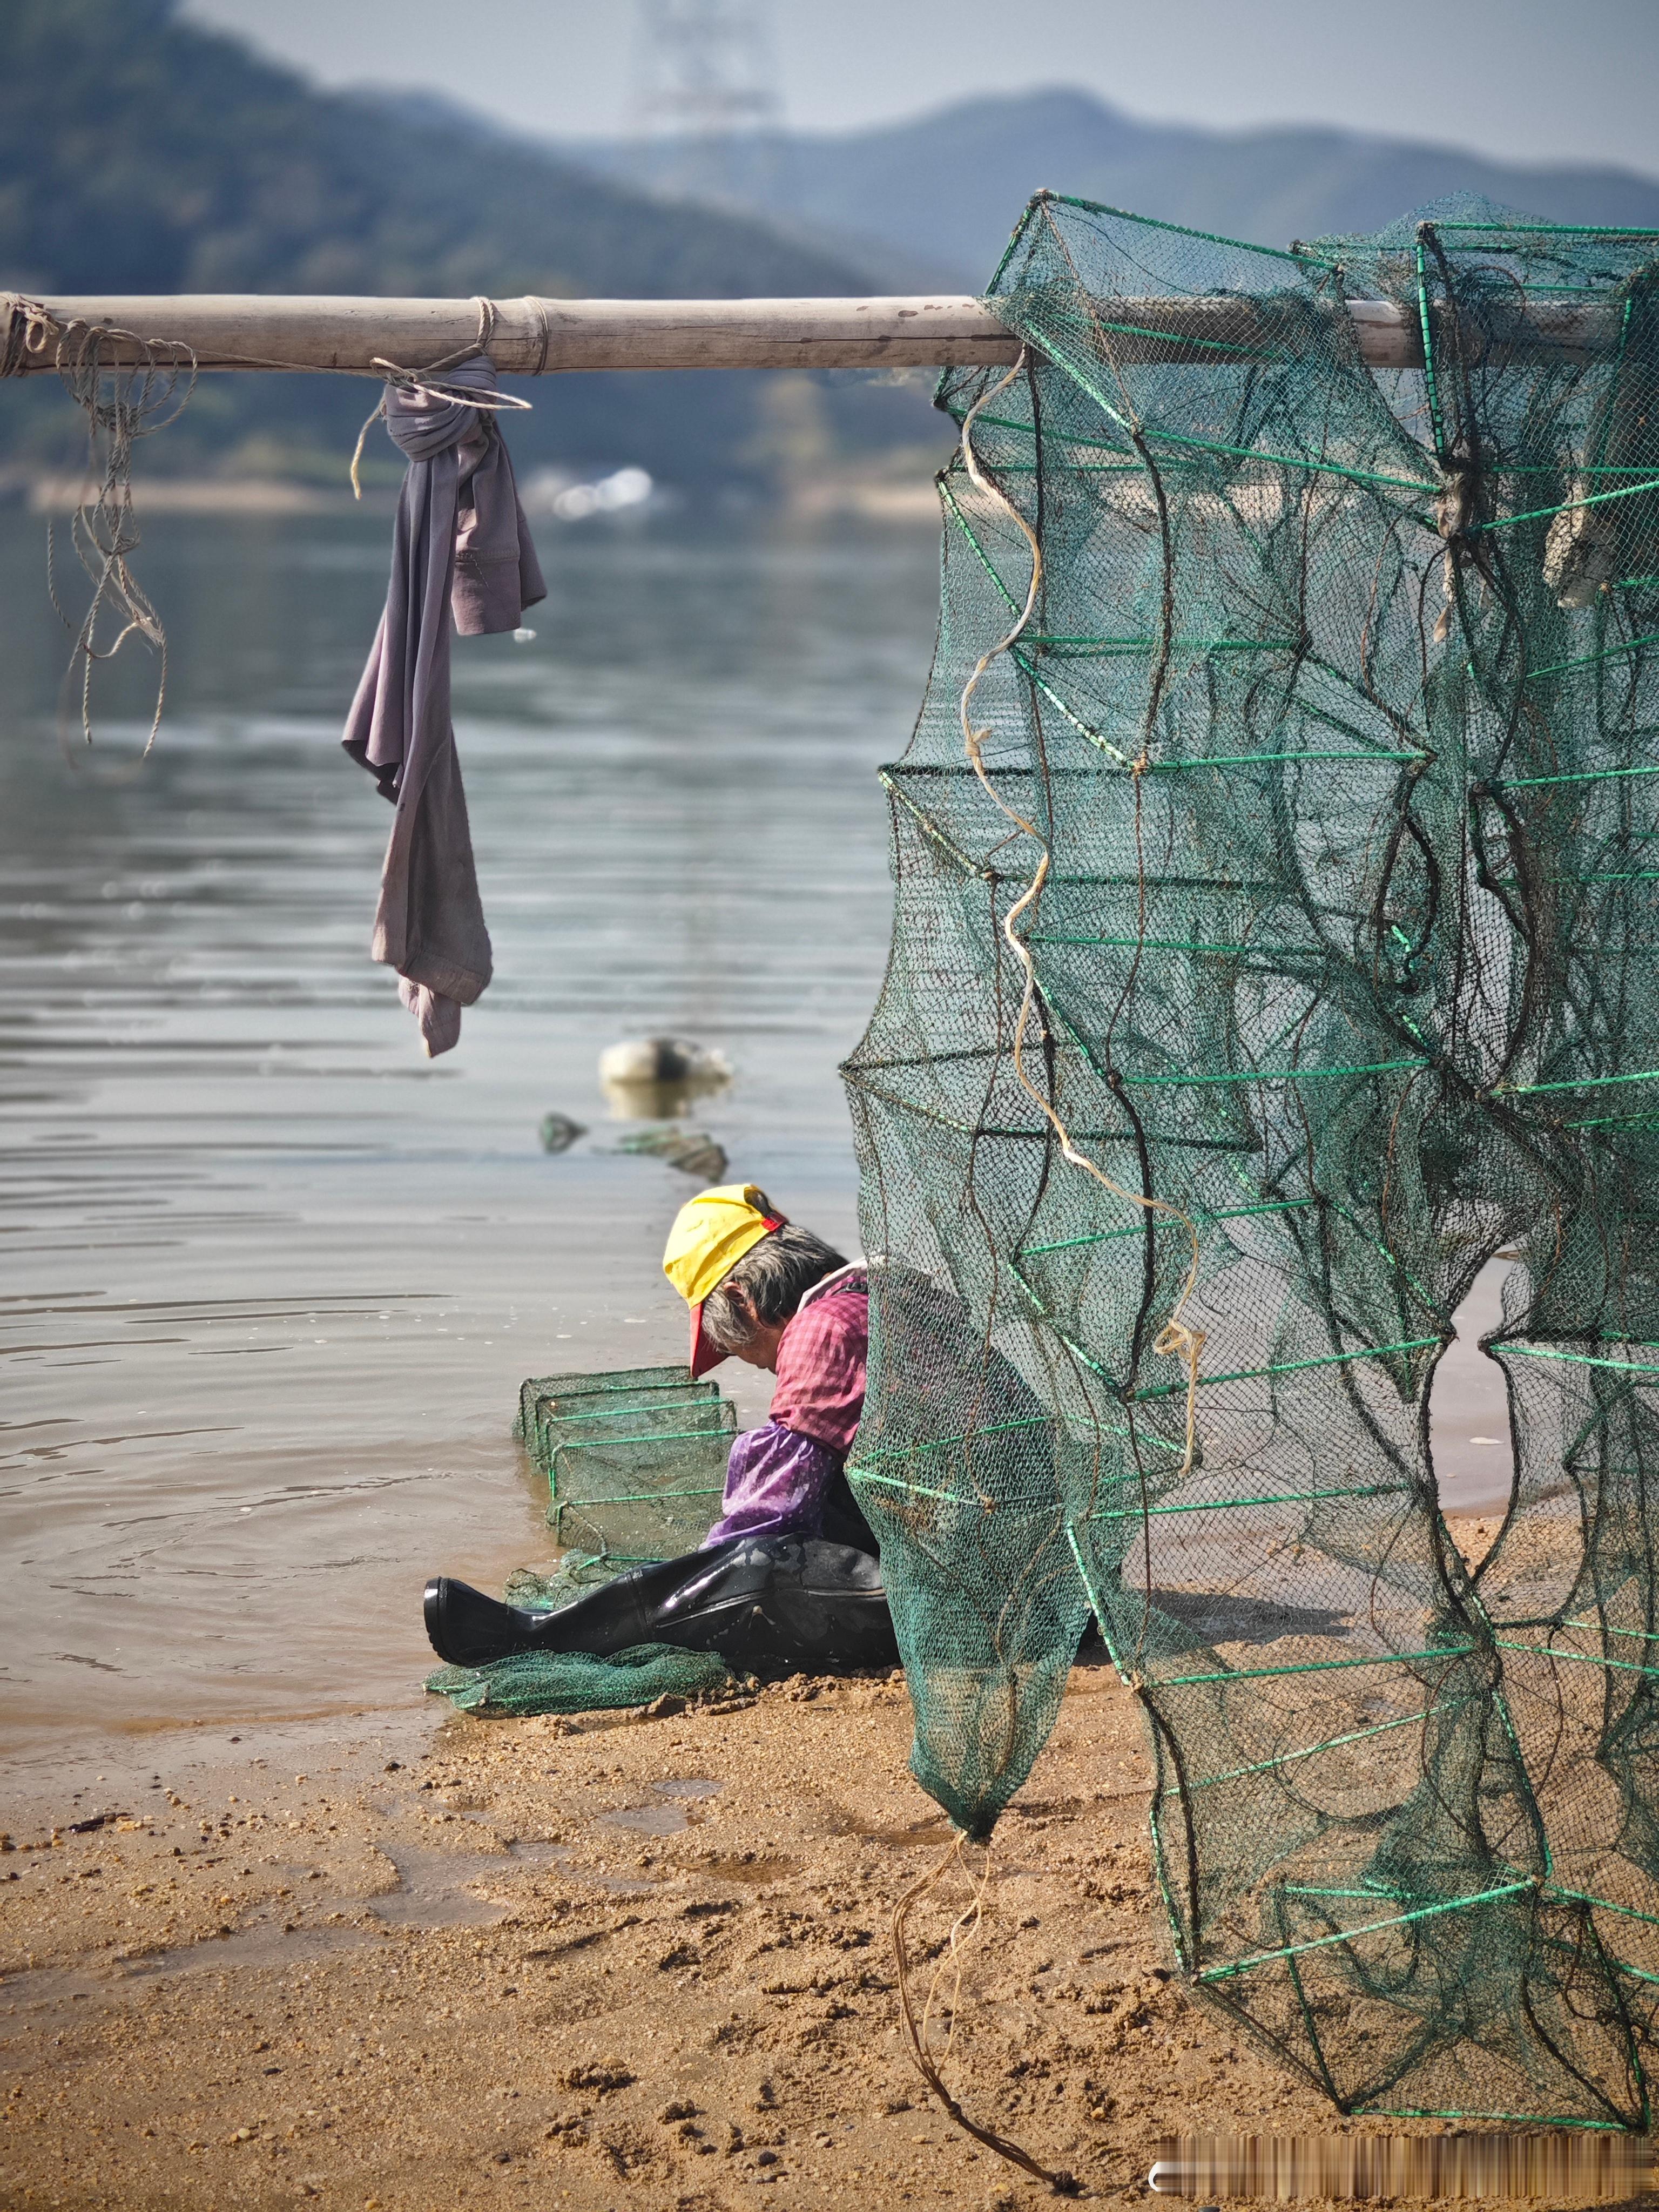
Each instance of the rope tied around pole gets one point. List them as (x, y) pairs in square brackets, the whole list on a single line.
[(436, 386), (129, 386), (125, 398), (27, 330), (544, 332)]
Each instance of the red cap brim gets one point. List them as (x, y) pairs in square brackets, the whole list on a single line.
[(704, 1355)]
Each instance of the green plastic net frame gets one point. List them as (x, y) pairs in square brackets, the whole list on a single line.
[(634, 1459), (1335, 719)]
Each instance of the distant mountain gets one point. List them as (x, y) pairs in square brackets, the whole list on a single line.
[(140, 153), (945, 189)]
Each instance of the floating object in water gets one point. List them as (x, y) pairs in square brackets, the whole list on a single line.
[(656, 1079), (559, 1133), (663, 1059), (693, 1151)]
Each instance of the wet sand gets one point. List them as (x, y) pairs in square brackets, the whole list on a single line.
[(615, 1959)]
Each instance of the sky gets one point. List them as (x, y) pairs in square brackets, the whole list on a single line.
[(1541, 81)]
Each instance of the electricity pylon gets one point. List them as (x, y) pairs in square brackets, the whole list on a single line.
[(707, 95)]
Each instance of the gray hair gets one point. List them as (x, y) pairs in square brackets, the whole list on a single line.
[(774, 1276)]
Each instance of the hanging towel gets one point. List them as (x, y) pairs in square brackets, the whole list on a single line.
[(460, 544)]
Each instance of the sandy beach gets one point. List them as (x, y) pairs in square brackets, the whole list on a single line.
[(640, 1958)]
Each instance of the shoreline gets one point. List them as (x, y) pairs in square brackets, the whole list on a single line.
[(43, 1763)]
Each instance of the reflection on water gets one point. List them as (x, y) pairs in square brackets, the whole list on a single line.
[(269, 1279)]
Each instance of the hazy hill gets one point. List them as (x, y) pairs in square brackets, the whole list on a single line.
[(140, 153), (944, 189)]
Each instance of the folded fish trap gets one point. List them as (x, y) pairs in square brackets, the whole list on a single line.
[(1277, 940), (634, 1458)]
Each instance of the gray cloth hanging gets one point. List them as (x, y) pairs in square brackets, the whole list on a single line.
[(460, 545)]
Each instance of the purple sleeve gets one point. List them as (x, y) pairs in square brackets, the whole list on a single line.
[(775, 1480)]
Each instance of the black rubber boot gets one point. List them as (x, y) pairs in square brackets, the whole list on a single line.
[(775, 1603), (469, 1629)]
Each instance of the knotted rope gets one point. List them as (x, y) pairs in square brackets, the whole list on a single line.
[(27, 330), (1177, 1339), (128, 387), (428, 379), (964, 1931)]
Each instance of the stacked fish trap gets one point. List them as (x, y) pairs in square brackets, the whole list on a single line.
[(634, 1459), (1277, 941)]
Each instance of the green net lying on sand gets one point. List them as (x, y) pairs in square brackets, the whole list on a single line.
[(1278, 943), (634, 1459), (576, 1682)]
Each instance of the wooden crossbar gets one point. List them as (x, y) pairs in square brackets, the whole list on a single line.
[(252, 331)]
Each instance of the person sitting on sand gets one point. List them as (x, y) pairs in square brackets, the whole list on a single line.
[(774, 1295), (789, 1577)]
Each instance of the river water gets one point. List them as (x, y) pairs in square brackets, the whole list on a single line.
[(269, 1279)]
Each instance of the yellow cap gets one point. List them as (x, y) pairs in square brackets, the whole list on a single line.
[(711, 1233)]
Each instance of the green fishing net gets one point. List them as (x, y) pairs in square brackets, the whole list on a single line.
[(577, 1682), (544, 1589), (634, 1459), (1318, 804)]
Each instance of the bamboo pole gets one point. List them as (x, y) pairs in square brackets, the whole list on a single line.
[(532, 337)]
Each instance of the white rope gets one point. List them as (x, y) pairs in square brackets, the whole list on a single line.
[(1177, 1339)]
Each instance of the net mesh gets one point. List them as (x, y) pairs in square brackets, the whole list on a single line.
[(634, 1459), (1275, 942), (579, 1682)]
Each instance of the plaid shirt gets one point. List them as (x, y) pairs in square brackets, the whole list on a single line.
[(777, 1474)]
